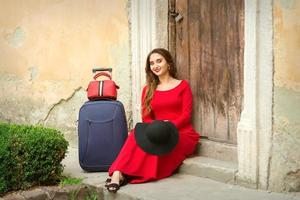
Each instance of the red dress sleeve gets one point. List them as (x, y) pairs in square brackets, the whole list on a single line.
[(186, 109), (147, 118)]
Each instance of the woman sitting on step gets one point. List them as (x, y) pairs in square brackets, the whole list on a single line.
[(157, 147)]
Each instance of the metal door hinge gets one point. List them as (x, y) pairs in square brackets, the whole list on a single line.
[(178, 17)]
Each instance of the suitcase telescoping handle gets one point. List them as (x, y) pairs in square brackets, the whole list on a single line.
[(102, 70)]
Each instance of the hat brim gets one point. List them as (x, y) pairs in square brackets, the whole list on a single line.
[(156, 149)]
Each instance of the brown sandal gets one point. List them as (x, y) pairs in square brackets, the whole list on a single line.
[(107, 182), (114, 187)]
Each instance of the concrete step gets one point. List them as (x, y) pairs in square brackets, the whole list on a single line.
[(179, 186), (217, 150), (205, 167), (186, 187)]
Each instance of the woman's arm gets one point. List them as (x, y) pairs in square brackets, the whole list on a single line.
[(186, 110), (145, 117)]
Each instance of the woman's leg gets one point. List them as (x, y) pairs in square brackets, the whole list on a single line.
[(116, 177)]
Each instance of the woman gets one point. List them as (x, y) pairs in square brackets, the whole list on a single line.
[(164, 98)]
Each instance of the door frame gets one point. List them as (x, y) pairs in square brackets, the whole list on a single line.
[(254, 132), (146, 17)]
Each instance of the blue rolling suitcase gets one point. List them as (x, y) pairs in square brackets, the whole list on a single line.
[(102, 131)]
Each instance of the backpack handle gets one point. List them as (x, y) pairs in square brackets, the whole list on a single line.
[(102, 74)]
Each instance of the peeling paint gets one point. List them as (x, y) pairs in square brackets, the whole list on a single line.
[(17, 38), (285, 160), (286, 100), (287, 4), (292, 181), (33, 73), (58, 103)]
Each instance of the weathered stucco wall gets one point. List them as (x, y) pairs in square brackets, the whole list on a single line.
[(48, 49), (285, 162)]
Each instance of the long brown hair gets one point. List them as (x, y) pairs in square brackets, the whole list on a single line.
[(152, 80)]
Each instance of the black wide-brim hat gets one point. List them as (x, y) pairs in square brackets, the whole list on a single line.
[(157, 138)]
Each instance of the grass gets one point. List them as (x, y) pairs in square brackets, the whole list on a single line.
[(73, 195), (67, 180)]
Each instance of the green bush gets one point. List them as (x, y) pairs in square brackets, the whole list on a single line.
[(29, 156)]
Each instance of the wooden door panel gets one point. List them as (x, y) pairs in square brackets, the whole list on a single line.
[(208, 47), (194, 61), (220, 72), (182, 41)]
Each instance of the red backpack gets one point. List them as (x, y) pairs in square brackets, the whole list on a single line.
[(102, 89)]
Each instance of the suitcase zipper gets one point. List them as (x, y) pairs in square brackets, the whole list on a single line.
[(101, 88)]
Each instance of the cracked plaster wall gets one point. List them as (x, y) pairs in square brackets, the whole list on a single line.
[(48, 49), (285, 161)]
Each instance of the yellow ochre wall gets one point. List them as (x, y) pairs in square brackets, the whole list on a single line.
[(285, 161), (47, 51)]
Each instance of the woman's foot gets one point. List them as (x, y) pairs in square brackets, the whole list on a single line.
[(117, 180)]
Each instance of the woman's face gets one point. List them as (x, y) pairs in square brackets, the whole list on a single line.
[(158, 65)]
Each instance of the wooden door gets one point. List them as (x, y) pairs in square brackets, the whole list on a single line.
[(208, 45)]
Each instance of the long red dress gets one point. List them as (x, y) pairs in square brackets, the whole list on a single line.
[(174, 105)]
